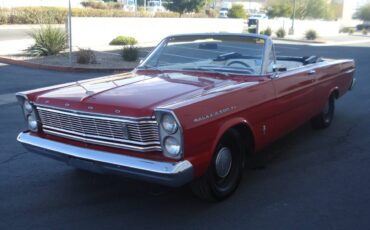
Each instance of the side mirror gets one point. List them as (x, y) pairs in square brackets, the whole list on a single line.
[(279, 68)]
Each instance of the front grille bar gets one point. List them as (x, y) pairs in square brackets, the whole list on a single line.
[(132, 134)]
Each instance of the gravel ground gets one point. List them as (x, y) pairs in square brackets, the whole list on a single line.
[(111, 59)]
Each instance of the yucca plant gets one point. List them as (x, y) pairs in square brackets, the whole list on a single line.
[(48, 41)]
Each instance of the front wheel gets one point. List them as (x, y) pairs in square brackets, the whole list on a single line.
[(324, 119), (225, 171)]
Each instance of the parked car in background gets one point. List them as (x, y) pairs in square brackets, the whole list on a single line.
[(155, 6), (224, 12), (196, 111), (254, 19)]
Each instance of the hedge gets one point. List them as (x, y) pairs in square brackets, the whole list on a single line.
[(58, 15)]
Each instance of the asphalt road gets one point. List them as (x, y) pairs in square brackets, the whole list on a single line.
[(14, 34), (312, 179)]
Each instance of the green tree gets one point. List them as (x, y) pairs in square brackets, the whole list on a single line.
[(363, 13), (305, 9), (185, 6), (237, 11), (280, 8)]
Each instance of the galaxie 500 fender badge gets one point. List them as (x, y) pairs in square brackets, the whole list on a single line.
[(214, 114)]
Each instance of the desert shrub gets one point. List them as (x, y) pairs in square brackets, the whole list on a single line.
[(101, 5), (3, 17), (86, 56), (267, 32), (347, 30), (58, 15), (237, 11), (48, 41), (130, 53), (123, 41), (280, 33), (37, 15), (114, 5), (94, 4), (212, 13), (311, 35), (365, 31)]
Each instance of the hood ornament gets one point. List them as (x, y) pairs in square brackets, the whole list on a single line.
[(87, 92)]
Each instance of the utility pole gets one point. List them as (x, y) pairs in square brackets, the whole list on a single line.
[(70, 32), (291, 31)]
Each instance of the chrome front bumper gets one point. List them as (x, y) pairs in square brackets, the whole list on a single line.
[(166, 173), (352, 84)]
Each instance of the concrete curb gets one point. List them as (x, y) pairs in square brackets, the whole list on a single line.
[(300, 41), (27, 64)]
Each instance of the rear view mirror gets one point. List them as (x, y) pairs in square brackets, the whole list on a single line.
[(208, 46), (279, 68)]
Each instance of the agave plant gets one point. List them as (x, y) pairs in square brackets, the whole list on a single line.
[(48, 41)]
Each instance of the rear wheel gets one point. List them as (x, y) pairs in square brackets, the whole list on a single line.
[(324, 119), (225, 170)]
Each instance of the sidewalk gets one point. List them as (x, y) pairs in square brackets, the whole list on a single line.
[(339, 40)]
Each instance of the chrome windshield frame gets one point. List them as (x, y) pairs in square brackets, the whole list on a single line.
[(265, 52)]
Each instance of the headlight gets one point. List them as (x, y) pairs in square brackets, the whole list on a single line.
[(172, 146), (169, 123), (29, 112), (27, 107), (32, 122), (170, 133)]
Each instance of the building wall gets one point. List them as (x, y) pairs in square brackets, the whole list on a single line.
[(349, 9), (88, 32)]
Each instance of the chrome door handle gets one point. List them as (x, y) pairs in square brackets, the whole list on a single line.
[(311, 72)]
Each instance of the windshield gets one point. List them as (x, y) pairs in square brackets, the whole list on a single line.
[(222, 53)]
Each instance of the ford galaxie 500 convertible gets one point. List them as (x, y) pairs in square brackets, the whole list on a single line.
[(194, 111)]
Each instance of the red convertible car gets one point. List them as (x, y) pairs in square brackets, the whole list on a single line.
[(193, 112)]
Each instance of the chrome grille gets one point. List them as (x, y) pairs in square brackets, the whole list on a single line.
[(126, 133)]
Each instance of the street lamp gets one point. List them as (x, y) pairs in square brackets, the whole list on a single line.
[(70, 31), (291, 31)]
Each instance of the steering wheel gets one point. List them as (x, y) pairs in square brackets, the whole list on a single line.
[(239, 63)]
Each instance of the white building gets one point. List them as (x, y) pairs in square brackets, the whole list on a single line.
[(349, 9), (30, 3)]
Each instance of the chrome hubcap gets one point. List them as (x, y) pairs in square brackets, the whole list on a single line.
[(223, 162)]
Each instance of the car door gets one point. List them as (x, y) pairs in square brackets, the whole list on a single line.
[(294, 91)]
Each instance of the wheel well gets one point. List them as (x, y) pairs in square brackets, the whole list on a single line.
[(335, 92), (247, 138)]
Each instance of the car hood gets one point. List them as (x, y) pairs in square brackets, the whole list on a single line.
[(133, 94)]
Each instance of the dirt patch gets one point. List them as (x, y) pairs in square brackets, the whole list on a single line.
[(111, 59)]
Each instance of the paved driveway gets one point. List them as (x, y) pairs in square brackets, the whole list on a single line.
[(312, 179)]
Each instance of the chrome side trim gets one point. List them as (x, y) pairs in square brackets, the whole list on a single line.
[(167, 173)]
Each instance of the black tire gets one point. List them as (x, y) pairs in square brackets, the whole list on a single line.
[(325, 118), (211, 186)]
